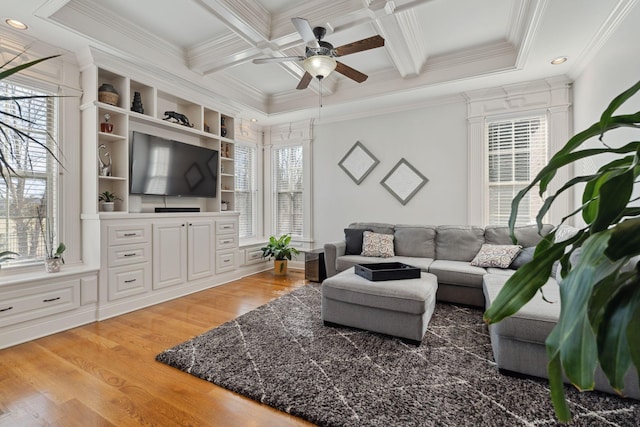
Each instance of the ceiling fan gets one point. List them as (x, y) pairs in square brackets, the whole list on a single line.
[(319, 56)]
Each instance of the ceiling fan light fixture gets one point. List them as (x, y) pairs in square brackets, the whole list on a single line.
[(319, 66)]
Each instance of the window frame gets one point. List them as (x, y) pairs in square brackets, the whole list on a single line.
[(253, 190), (52, 174)]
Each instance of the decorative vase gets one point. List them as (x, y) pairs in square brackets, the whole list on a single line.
[(108, 206), (106, 127), (224, 206), (136, 105), (280, 267), (223, 128), (52, 265), (108, 94)]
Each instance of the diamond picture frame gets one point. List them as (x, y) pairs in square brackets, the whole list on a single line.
[(403, 181), (358, 162)]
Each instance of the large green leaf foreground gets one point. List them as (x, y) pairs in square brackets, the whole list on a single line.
[(600, 290)]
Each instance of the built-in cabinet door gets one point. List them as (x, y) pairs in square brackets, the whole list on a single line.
[(169, 253), (201, 255)]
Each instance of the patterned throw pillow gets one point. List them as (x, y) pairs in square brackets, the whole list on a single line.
[(499, 256), (375, 244)]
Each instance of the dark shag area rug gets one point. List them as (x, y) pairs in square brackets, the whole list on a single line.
[(282, 355)]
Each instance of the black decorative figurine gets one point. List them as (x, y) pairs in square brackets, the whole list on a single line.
[(137, 103), (177, 118)]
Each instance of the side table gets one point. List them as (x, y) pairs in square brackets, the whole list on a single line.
[(314, 269)]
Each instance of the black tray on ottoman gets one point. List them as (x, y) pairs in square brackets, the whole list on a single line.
[(387, 271)]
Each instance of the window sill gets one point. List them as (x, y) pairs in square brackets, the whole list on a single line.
[(8, 278)]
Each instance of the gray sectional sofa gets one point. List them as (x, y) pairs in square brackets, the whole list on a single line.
[(446, 251)]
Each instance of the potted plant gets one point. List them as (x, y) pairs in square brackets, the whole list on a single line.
[(6, 255), (53, 259), (280, 250), (9, 131), (600, 294), (108, 201)]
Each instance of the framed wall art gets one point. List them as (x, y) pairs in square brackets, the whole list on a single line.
[(403, 181), (358, 162)]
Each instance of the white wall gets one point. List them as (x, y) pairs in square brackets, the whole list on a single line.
[(612, 70), (432, 138)]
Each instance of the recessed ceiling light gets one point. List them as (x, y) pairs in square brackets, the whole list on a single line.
[(559, 60), (254, 120), (13, 23)]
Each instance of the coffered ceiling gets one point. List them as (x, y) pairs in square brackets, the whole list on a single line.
[(432, 47)]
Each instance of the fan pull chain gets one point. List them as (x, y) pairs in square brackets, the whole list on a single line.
[(319, 99)]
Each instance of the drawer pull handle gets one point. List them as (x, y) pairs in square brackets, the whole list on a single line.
[(5, 309), (227, 260), (133, 254), (130, 281), (226, 241), (51, 299), (130, 234), (226, 227)]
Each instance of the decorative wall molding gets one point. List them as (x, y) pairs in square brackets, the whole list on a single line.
[(553, 96)]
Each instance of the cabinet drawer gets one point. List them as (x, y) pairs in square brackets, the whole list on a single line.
[(127, 234), (226, 241), (39, 301), (253, 256), (128, 281), (128, 254), (226, 227), (225, 261)]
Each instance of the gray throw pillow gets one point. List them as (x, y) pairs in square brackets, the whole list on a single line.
[(353, 238), (525, 256)]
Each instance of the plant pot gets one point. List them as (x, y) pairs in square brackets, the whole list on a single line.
[(280, 267), (108, 206), (52, 265)]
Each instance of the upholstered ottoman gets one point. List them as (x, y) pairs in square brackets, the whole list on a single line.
[(401, 308)]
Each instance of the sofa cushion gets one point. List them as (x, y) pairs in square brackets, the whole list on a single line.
[(527, 235), (377, 245), (525, 256), (535, 320), (347, 261), (415, 241), (457, 273), (458, 242), (376, 227), (353, 239), (499, 256)]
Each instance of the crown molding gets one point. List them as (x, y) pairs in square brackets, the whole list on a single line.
[(605, 31), (247, 18), (528, 19), (214, 55), (403, 41)]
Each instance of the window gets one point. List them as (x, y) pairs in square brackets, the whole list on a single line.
[(289, 194), (28, 198), (517, 151), (245, 187)]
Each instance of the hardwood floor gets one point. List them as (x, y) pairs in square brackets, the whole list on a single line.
[(105, 373)]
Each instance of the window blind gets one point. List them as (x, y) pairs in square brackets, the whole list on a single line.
[(245, 196), (289, 190), (30, 193), (517, 151)]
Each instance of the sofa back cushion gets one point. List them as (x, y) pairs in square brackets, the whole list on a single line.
[(376, 227), (527, 235), (458, 242), (415, 241)]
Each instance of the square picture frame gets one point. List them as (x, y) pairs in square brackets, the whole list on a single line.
[(358, 162), (403, 181)]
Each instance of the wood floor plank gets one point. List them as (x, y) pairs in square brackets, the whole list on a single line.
[(105, 373)]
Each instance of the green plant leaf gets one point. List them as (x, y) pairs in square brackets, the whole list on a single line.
[(556, 384), (625, 239), (633, 336), (613, 343), (6, 73), (606, 116), (614, 194)]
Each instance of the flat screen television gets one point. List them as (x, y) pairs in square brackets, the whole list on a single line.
[(164, 167)]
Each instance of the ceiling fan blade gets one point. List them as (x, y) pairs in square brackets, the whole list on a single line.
[(353, 74), (277, 59), (304, 81), (305, 30), (359, 46)]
